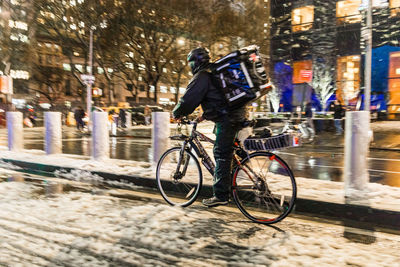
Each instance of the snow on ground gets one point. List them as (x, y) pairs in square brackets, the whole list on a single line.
[(81, 229), (376, 195)]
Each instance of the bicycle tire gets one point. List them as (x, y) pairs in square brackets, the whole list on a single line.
[(252, 199), (178, 192)]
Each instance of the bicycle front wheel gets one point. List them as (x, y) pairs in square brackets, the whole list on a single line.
[(179, 177), (264, 188)]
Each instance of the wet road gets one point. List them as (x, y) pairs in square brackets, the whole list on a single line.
[(111, 227), (324, 160)]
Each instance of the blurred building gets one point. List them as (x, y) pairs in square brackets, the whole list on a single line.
[(319, 44), (44, 71), (15, 33)]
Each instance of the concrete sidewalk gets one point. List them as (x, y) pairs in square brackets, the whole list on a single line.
[(359, 212)]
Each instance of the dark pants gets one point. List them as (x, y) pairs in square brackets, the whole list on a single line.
[(80, 124), (225, 133)]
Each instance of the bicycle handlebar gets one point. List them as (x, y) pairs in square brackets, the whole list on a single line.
[(187, 121)]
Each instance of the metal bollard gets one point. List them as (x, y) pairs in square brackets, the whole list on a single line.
[(128, 123), (53, 137), (100, 136), (357, 138), (15, 131), (160, 134)]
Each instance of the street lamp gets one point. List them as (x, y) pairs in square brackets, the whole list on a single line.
[(88, 79)]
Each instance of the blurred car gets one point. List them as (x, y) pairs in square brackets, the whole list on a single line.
[(138, 113)]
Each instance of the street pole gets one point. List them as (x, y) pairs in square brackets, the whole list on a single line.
[(89, 84), (368, 58), (357, 130)]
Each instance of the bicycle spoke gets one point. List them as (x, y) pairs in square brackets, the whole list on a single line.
[(266, 191), (178, 187)]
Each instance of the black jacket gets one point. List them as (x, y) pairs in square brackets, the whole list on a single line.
[(203, 90), (337, 111)]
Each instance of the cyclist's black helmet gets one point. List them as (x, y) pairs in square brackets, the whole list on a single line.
[(198, 59)]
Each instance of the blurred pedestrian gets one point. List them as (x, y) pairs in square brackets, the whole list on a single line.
[(338, 116), (309, 115), (122, 118), (79, 115), (32, 118), (147, 114)]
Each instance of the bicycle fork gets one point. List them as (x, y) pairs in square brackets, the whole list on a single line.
[(178, 174)]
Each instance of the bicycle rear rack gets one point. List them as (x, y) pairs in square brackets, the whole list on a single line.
[(272, 143)]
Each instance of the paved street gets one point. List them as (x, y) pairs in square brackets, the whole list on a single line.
[(324, 160), (88, 226)]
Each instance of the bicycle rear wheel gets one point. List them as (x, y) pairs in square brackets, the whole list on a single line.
[(264, 188), (179, 177)]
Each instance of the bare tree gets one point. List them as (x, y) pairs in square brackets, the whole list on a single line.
[(68, 24), (179, 72), (152, 36), (46, 74), (275, 98), (323, 82)]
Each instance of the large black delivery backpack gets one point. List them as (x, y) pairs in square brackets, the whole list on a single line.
[(242, 77)]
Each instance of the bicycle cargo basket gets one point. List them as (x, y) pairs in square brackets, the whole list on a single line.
[(271, 143), (241, 75)]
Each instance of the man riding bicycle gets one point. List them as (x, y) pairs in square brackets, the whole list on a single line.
[(203, 90)]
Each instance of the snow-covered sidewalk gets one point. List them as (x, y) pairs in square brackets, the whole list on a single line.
[(377, 196), (82, 229)]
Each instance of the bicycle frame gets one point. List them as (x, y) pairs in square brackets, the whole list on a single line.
[(194, 141)]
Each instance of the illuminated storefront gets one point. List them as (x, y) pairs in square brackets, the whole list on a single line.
[(348, 11), (302, 71), (394, 6), (302, 77), (348, 78), (394, 83), (302, 18)]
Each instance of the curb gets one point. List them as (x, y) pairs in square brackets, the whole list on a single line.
[(344, 212)]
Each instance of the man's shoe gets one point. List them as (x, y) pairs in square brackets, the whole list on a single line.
[(214, 201)]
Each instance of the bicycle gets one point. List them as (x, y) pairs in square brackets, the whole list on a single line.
[(263, 186), (307, 134)]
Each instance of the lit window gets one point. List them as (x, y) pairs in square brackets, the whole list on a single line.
[(182, 90), (163, 89), (348, 74), (66, 66), (302, 18), (18, 25), (152, 88), (348, 11), (19, 74), (172, 89), (79, 67), (394, 7), (165, 70), (302, 71), (394, 80)]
